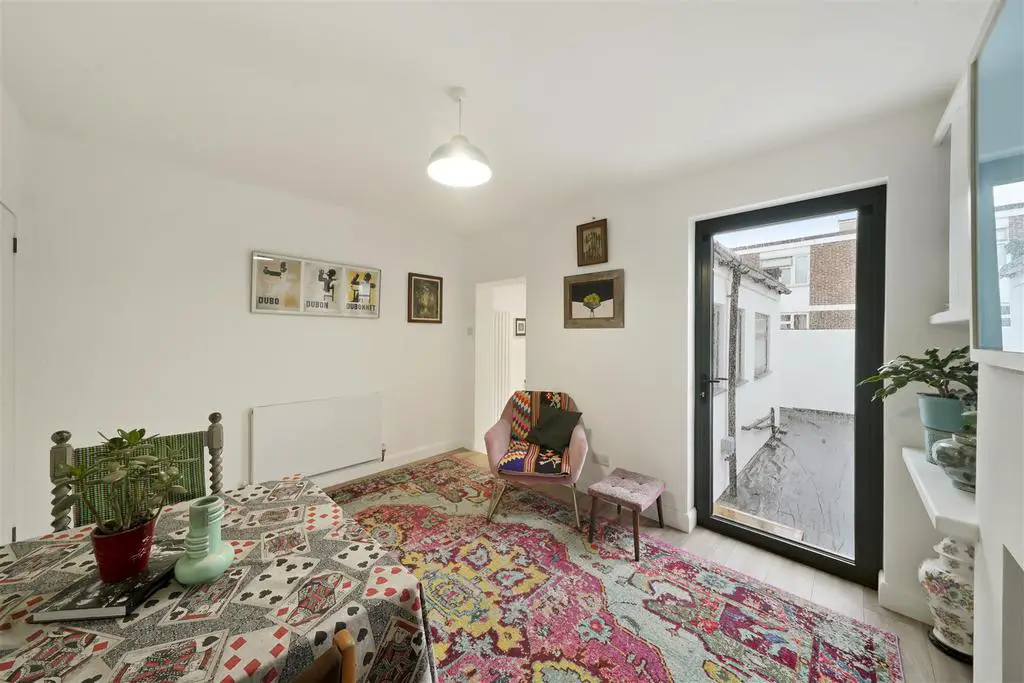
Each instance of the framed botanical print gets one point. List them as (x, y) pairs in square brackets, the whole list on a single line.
[(595, 299), (426, 298), (592, 243)]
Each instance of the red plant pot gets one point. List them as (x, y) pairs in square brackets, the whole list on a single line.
[(124, 554)]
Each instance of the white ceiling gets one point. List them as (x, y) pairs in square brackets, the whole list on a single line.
[(344, 102)]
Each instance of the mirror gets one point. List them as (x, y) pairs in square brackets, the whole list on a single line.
[(998, 114)]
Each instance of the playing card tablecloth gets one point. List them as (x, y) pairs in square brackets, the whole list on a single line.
[(301, 572)]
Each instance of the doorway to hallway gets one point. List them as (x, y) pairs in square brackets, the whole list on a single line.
[(500, 357)]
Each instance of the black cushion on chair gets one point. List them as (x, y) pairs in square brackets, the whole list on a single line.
[(554, 428)]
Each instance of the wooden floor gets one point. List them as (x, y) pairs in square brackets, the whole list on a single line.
[(921, 661)]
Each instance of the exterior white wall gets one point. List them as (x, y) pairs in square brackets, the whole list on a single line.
[(133, 310), (635, 384), (816, 367), (797, 301), (755, 396)]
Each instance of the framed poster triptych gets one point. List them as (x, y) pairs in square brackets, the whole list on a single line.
[(297, 286)]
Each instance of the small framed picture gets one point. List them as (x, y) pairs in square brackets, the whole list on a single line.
[(592, 243), (520, 327), (426, 298)]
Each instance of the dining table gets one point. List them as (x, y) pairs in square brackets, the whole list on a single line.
[(301, 572)]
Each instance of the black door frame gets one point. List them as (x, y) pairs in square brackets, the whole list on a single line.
[(870, 321)]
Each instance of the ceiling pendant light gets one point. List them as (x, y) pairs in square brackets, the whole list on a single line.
[(458, 163)]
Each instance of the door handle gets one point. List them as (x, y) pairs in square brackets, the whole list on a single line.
[(707, 382)]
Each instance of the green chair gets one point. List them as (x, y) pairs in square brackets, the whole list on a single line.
[(191, 446)]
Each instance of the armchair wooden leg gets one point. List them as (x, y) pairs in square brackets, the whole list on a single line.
[(636, 535), (496, 498), (593, 516), (618, 511), (661, 516), (576, 509)]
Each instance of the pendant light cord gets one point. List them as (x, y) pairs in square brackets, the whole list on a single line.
[(460, 116)]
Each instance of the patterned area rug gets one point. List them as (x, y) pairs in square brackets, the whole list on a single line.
[(525, 598)]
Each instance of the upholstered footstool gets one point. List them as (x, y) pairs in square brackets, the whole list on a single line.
[(629, 490)]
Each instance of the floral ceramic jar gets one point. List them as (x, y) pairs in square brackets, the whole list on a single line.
[(949, 582)]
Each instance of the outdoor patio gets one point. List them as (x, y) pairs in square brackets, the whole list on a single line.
[(803, 480)]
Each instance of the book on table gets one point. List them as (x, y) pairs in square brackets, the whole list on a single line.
[(90, 598)]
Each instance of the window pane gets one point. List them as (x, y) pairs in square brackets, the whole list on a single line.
[(716, 338), (761, 322), (802, 271), (741, 327)]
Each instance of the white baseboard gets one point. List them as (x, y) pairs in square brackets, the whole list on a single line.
[(390, 461), (909, 603), (691, 520)]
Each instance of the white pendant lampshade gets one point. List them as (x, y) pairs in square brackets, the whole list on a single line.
[(458, 163)]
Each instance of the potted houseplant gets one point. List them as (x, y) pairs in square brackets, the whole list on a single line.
[(138, 483), (953, 377)]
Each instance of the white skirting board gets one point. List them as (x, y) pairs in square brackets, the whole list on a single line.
[(313, 437), (910, 603), (392, 461)]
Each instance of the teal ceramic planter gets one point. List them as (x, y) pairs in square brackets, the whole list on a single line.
[(941, 417), (206, 556)]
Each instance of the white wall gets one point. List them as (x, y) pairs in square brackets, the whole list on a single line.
[(133, 310), (817, 369), (1000, 514), (634, 384)]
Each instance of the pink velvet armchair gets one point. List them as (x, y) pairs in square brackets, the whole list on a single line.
[(508, 450)]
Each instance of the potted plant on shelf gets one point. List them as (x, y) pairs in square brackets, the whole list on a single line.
[(135, 484), (954, 378)]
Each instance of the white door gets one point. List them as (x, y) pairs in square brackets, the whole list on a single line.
[(8, 473)]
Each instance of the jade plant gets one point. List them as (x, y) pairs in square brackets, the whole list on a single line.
[(954, 375), (140, 476)]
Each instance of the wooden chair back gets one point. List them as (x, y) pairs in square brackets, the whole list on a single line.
[(337, 665), (63, 453)]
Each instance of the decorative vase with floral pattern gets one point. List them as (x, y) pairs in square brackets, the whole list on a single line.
[(949, 582)]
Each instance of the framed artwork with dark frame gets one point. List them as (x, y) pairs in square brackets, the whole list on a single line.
[(595, 299), (426, 298), (520, 327), (592, 243)]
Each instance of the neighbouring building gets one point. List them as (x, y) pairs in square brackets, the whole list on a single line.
[(757, 381), (821, 273)]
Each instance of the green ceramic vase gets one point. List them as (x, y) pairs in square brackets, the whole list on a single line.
[(206, 556)]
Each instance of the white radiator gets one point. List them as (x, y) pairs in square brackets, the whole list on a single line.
[(502, 362), (313, 437)]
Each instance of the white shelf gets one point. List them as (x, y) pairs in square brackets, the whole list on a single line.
[(950, 318), (951, 510)]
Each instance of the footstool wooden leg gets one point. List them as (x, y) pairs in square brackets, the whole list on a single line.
[(661, 516), (636, 535), (593, 517), (618, 510)]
